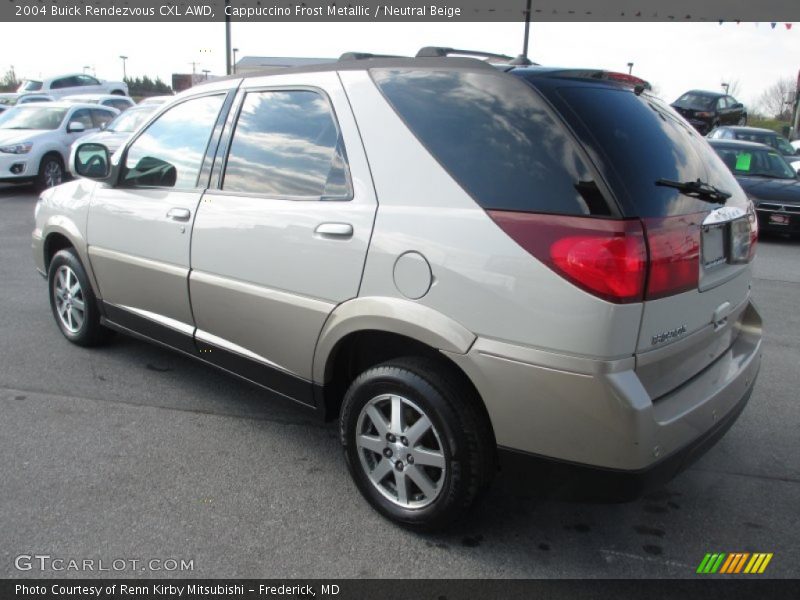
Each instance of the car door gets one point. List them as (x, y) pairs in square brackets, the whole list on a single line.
[(139, 230), (281, 237), (70, 133), (723, 113)]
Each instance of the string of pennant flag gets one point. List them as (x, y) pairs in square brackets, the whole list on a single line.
[(772, 24)]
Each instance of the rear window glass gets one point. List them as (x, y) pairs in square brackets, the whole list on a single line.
[(637, 140), (496, 138)]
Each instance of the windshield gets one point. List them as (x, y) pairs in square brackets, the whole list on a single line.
[(30, 86), (695, 101), (754, 162), (129, 120), (36, 117)]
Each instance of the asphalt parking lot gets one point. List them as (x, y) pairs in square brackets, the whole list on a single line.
[(133, 452)]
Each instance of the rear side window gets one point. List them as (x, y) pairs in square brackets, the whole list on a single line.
[(287, 144), (637, 140), (496, 138)]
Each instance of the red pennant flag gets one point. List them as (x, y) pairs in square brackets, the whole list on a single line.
[(788, 25)]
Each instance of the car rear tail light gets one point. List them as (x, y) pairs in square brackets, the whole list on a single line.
[(621, 261), (625, 78), (674, 255), (605, 257)]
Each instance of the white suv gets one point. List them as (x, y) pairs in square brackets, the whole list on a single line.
[(463, 264), (35, 139)]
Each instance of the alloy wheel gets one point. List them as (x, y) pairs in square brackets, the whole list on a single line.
[(70, 303), (401, 451)]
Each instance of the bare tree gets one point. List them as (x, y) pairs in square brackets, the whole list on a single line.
[(774, 101), (9, 82)]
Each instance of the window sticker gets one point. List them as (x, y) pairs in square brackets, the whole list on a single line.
[(743, 161)]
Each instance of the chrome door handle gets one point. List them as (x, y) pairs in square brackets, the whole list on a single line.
[(334, 230), (179, 214)]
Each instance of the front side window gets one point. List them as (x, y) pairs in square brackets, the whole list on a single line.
[(169, 153), (287, 144), (66, 82), (86, 80), (102, 118), (84, 117)]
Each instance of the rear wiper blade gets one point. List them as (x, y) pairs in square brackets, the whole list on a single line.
[(697, 189)]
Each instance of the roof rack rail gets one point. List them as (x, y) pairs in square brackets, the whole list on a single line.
[(441, 52), (366, 55)]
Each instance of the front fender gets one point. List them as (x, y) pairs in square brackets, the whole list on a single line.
[(392, 315)]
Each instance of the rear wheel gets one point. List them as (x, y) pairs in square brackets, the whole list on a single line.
[(416, 444), (73, 302)]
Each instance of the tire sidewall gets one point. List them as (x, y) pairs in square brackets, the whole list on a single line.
[(67, 258), (389, 380)]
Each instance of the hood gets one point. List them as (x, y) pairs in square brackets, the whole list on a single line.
[(772, 190), (110, 139), (17, 136)]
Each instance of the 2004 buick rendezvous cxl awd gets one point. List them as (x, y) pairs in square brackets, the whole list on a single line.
[(464, 263)]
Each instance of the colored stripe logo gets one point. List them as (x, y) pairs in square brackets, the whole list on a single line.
[(734, 563)]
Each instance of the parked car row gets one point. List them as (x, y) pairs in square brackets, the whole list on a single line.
[(39, 123)]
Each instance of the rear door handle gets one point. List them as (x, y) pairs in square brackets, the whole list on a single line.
[(179, 214), (334, 230)]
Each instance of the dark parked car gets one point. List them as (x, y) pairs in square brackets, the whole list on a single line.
[(760, 136), (771, 183), (707, 110)]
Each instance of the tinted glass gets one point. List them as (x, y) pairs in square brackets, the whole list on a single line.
[(102, 117), (496, 138), (34, 117), (82, 116), (287, 144), (63, 83), (30, 86), (170, 152), (86, 80), (118, 104), (753, 162), (637, 140), (696, 101)]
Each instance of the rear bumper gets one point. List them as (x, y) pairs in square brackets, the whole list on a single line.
[(584, 481), (598, 414)]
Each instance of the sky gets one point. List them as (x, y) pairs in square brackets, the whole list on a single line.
[(675, 57)]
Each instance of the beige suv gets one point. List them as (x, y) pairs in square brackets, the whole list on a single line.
[(465, 264)]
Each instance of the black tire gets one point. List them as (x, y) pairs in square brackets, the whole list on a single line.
[(459, 423), (51, 172), (89, 332), (117, 93), (742, 121)]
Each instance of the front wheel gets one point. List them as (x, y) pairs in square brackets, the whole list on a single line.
[(51, 172), (417, 445), (73, 302), (742, 120)]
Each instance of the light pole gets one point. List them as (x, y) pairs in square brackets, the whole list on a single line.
[(726, 86), (630, 68), (205, 74), (227, 39), (235, 50), (124, 71), (85, 68)]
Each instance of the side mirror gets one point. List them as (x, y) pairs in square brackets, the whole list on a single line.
[(75, 127), (92, 161)]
